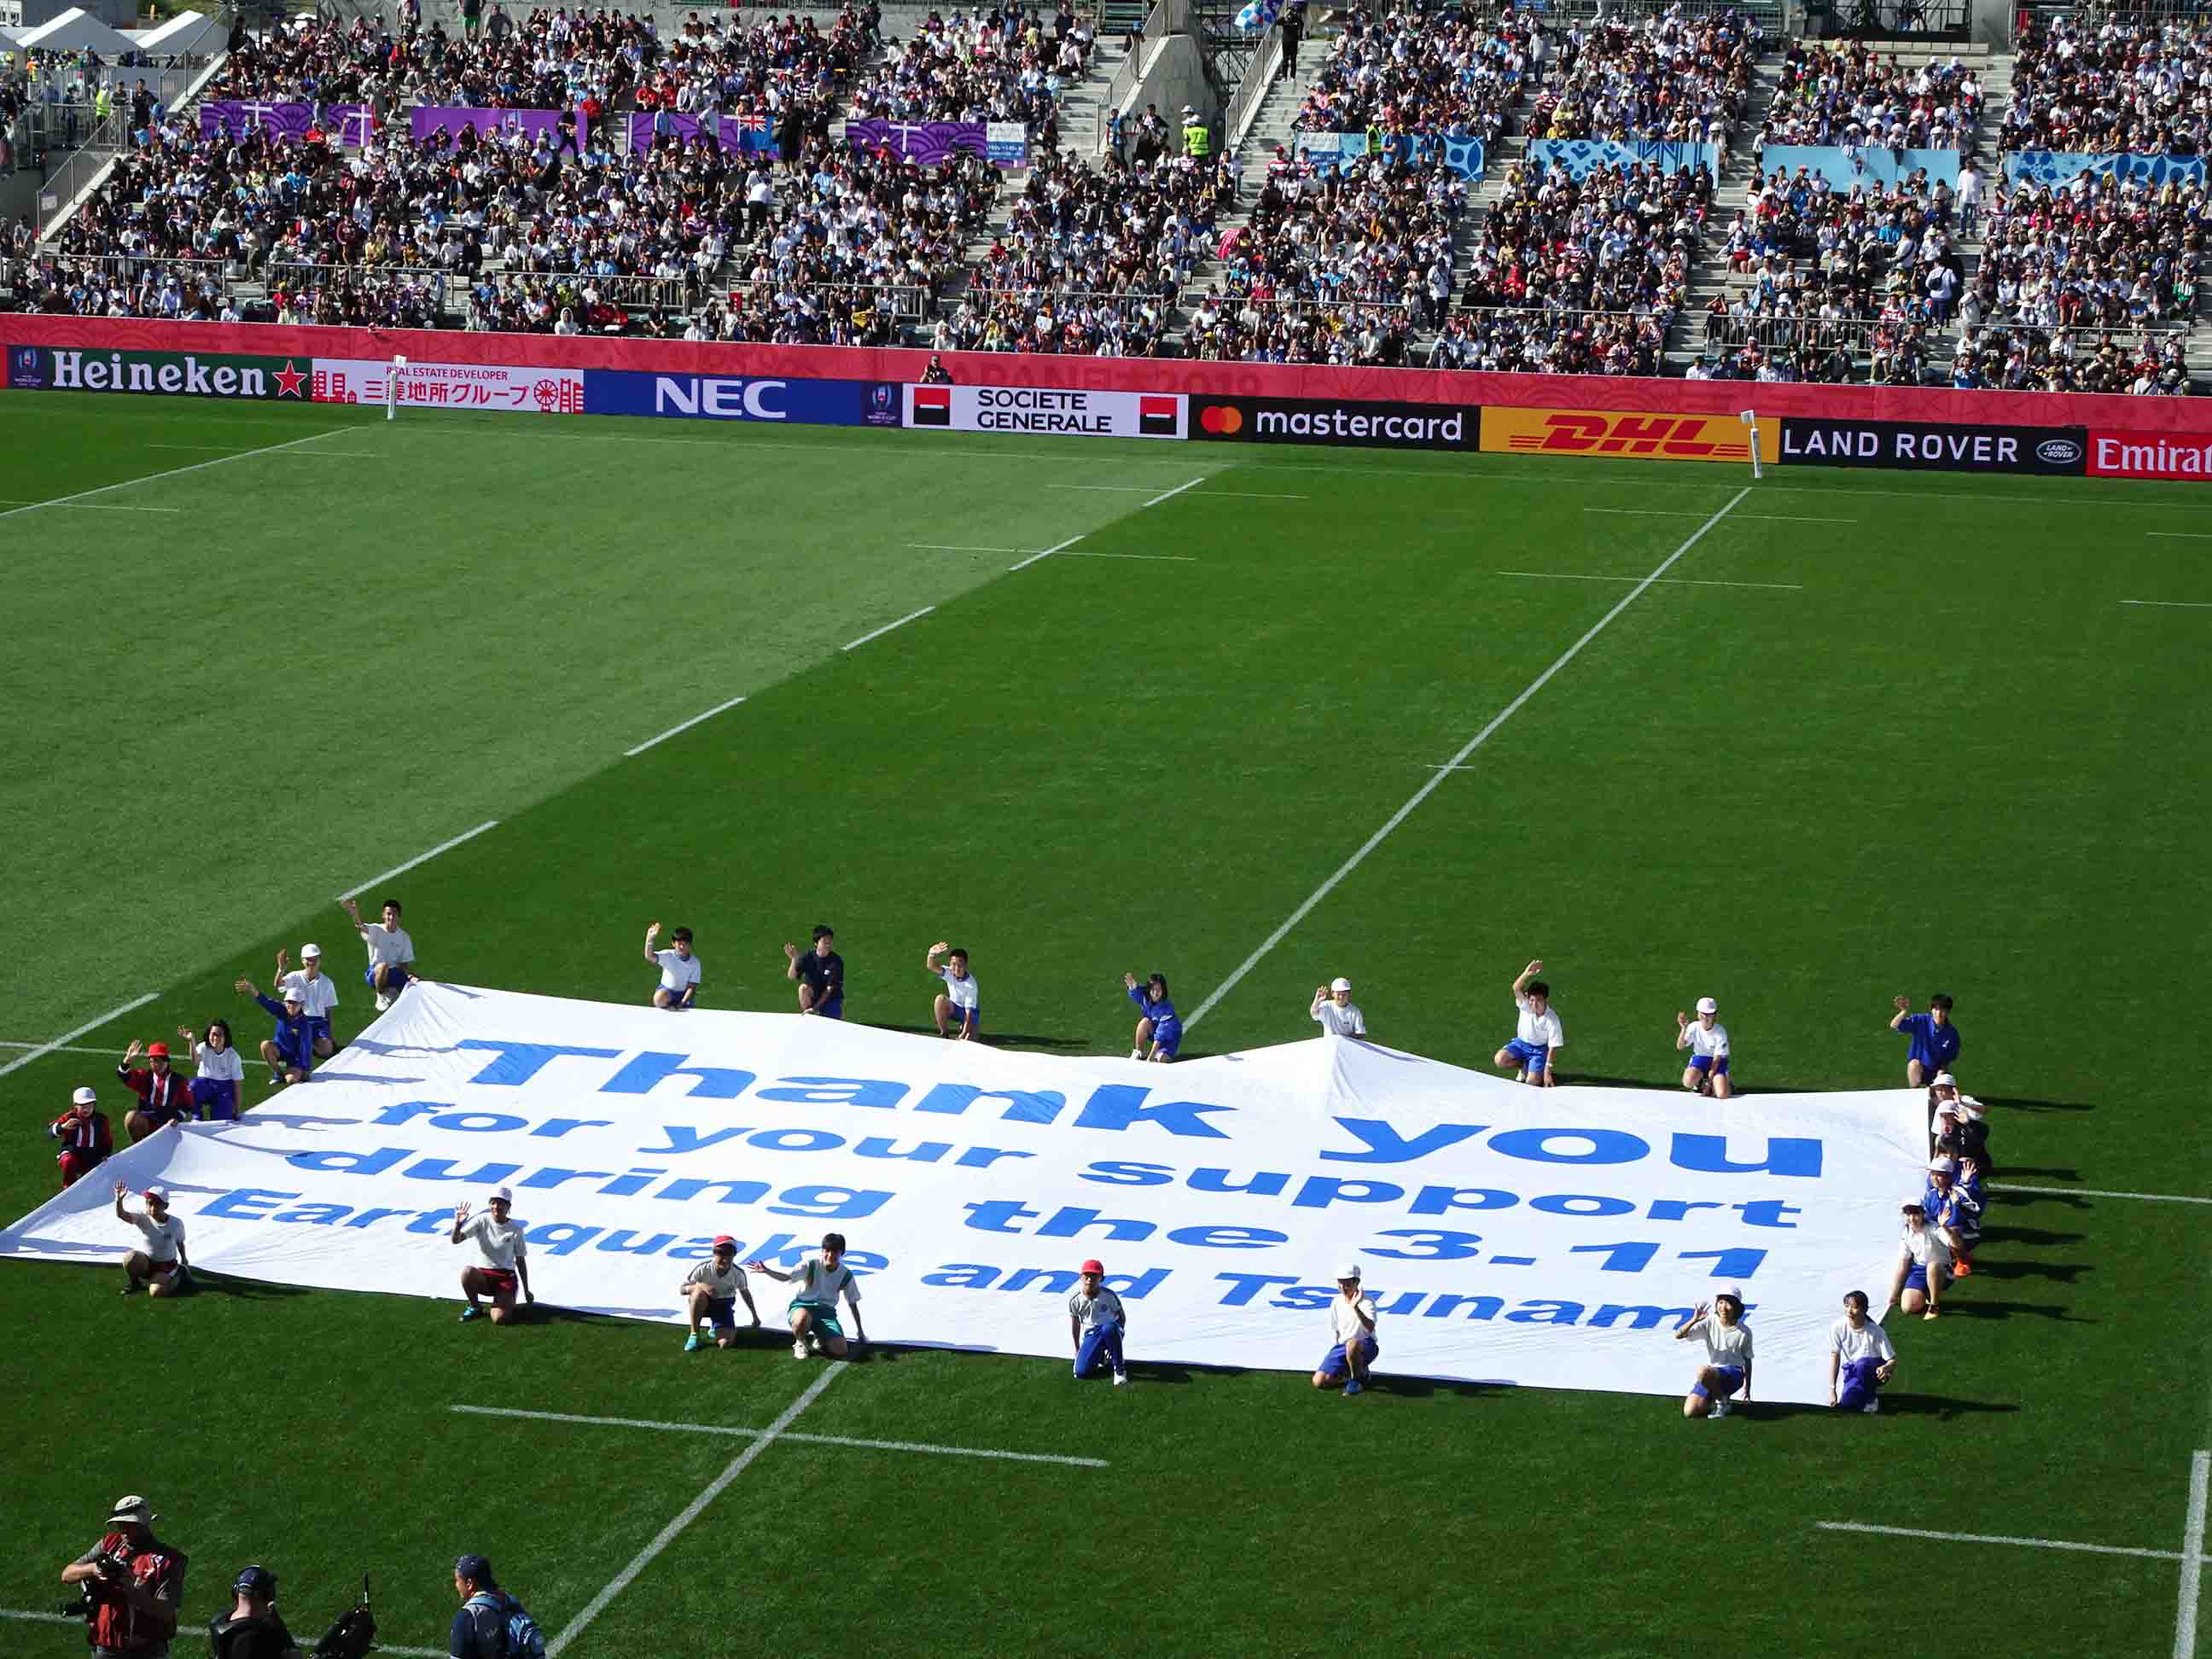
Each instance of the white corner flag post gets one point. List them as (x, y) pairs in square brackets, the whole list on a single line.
[(392, 393), (1750, 418)]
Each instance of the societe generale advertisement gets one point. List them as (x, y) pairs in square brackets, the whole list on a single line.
[(1031, 408), (1634, 435), (452, 386), (1335, 422), (2115, 454)]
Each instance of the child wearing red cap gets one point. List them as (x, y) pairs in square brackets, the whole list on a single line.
[(1095, 1322), (164, 1097), (711, 1291)]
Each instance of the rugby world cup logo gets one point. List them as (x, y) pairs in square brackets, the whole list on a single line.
[(24, 369)]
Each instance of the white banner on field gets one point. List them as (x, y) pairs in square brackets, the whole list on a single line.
[(1546, 1238)]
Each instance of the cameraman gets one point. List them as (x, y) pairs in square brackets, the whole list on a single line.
[(253, 1629), (133, 1584)]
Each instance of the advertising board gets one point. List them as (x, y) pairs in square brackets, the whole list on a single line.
[(177, 373), (740, 397), (1912, 446), (1031, 408), (1324, 420), (1610, 433)]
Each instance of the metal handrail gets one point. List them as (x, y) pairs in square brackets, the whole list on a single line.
[(1252, 91), (1165, 18)]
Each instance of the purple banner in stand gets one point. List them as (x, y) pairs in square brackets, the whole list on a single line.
[(930, 143), (426, 118), (351, 123), (738, 132)]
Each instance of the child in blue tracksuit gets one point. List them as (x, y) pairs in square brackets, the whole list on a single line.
[(1159, 1027), (289, 1051), (1934, 1038), (1095, 1323)]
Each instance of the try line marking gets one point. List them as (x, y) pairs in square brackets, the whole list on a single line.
[(1675, 582), (809, 1439), (173, 473), (668, 1534), (911, 615), (420, 859), (2192, 1558), (1437, 777), (685, 726), (67, 1038)]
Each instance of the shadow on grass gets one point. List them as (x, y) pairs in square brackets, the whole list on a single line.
[(247, 1290), (2064, 1272), (2054, 1172), (2029, 1236), (2018, 1105), (995, 1039), (1894, 1404), (1955, 1309)]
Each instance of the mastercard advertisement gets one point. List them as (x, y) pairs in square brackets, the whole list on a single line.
[(1633, 435)]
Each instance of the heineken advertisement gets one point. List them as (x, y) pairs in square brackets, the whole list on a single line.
[(174, 373)]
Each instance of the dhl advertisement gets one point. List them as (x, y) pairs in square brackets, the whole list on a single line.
[(1643, 436)]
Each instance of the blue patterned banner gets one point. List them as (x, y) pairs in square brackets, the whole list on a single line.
[(1872, 166), (2053, 167), (1581, 155), (1462, 156)]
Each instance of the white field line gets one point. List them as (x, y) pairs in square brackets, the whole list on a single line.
[(420, 859), (685, 726), (1161, 558), (1062, 547), (1741, 518), (2181, 535), (1671, 581), (56, 1049), (2192, 1558), (92, 507), (1169, 495), (1104, 489), (205, 449), (68, 1038), (1057, 547), (959, 547), (911, 615), (42, 1618), (809, 1439), (2173, 605), (1995, 1538), (668, 1534), (2096, 1192), (1437, 777), (173, 473), (1255, 495)]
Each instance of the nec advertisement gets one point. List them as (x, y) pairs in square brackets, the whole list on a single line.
[(741, 398)]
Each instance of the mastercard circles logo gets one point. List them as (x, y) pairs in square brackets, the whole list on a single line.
[(1216, 418)]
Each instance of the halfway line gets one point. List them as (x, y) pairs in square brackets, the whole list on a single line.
[(809, 1439), (887, 628), (668, 1534), (1672, 581), (2094, 1192), (68, 1038), (2192, 1558), (685, 726), (173, 473), (1993, 1538), (1436, 778), (420, 858)]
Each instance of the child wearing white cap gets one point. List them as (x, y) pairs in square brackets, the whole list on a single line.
[(1352, 1322), (318, 992), (161, 1266), (1335, 1011), (1707, 1040), (500, 1239)]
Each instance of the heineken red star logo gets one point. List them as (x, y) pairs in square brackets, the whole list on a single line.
[(288, 380)]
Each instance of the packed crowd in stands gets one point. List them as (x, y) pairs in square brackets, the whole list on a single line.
[(1847, 95), (1008, 66), (2093, 253), (1405, 74), (1673, 78), (2131, 84)]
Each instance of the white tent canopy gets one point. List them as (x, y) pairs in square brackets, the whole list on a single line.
[(74, 30), (187, 32)]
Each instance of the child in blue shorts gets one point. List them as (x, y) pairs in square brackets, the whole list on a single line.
[(1159, 1027)]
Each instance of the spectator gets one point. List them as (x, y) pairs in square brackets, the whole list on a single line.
[(136, 1583), (1860, 1359), (711, 1291), (318, 995), (253, 1629), (86, 1141), (219, 1088), (820, 974), (288, 1051), (2116, 84), (1335, 1011), (1095, 1325), (1159, 1027), (1538, 1033), (161, 1267), (164, 1097), (1293, 27), (1934, 1039), (391, 951), (490, 1623), (1351, 1324), (959, 1004), (1707, 1040), (1728, 1356), (504, 1265), (817, 1283), (1841, 93), (1923, 1268), (679, 968)]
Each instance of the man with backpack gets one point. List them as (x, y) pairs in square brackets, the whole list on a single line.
[(491, 1623), (253, 1629)]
